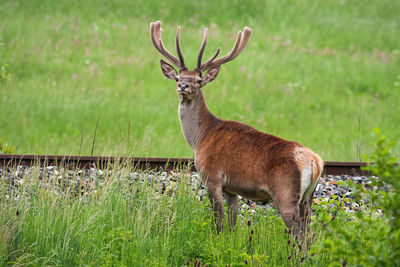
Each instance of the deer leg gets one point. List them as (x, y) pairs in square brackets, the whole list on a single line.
[(215, 193), (305, 207), (305, 213), (292, 219), (232, 201), (290, 212)]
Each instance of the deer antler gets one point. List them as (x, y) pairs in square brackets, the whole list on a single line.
[(155, 34), (241, 41)]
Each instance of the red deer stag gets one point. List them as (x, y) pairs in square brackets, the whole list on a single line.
[(232, 157)]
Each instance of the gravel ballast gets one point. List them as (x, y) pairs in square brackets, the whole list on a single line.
[(166, 182)]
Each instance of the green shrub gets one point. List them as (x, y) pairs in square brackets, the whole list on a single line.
[(372, 236)]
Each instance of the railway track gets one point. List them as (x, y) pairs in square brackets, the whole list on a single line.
[(102, 162)]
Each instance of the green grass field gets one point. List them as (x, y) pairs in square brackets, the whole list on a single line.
[(323, 73)]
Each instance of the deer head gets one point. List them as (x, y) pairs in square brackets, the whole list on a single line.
[(189, 82)]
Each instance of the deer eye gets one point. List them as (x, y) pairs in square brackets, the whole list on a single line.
[(176, 79), (198, 81)]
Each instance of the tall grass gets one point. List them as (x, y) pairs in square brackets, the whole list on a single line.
[(126, 222), (307, 70)]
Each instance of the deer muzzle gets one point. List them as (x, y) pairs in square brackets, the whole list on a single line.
[(182, 86)]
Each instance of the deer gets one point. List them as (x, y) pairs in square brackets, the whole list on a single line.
[(234, 158)]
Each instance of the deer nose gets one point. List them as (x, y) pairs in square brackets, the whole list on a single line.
[(182, 86)]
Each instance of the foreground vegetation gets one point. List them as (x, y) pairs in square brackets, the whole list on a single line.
[(371, 237), (127, 222), (123, 221), (323, 73)]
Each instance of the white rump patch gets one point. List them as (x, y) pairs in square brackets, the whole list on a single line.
[(305, 167), (306, 178)]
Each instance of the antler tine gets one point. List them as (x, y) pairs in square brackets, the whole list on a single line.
[(225, 58), (178, 48), (245, 39), (155, 34), (202, 48), (211, 59), (241, 41)]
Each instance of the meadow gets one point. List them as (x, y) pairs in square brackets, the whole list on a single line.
[(323, 73)]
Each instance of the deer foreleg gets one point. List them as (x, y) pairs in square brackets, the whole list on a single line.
[(217, 202)]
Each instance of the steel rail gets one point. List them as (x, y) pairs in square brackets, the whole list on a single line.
[(102, 162)]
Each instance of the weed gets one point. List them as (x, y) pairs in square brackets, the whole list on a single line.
[(371, 237)]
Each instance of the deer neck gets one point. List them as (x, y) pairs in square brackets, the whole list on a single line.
[(196, 120)]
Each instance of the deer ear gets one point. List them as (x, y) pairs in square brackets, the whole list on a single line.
[(211, 75), (168, 70)]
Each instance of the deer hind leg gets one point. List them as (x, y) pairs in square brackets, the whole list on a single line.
[(305, 206), (215, 193), (292, 219), (305, 211), (232, 202), (290, 212)]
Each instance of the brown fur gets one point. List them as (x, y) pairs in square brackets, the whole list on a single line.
[(236, 159)]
